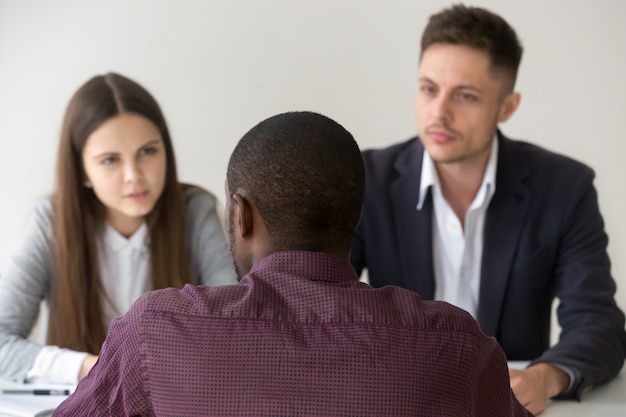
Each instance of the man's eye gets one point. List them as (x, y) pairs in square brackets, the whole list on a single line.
[(467, 97)]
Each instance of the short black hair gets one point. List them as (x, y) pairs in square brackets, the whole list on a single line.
[(480, 29), (305, 174)]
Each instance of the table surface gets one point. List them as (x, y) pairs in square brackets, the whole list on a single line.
[(29, 404), (607, 400)]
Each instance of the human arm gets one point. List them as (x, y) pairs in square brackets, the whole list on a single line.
[(210, 257), (86, 365), (29, 279), (490, 382), (592, 343), (114, 387), (23, 285), (535, 385)]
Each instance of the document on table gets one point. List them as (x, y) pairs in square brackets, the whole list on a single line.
[(28, 404)]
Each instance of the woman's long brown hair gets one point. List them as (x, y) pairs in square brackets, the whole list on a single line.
[(76, 319)]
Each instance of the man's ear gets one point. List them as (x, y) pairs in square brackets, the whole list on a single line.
[(508, 106), (243, 214)]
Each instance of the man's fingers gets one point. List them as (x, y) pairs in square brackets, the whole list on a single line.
[(526, 392)]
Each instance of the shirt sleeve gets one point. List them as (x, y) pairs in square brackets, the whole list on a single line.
[(56, 364), (114, 386), (491, 383), (573, 379)]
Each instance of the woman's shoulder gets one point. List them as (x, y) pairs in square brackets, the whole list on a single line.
[(44, 204), (192, 192), (198, 199), (43, 211)]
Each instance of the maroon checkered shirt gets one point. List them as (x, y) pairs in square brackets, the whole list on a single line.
[(299, 336)]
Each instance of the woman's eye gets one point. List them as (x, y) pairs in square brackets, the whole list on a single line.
[(108, 161), (148, 151)]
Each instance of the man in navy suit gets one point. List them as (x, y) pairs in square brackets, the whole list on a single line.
[(496, 226)]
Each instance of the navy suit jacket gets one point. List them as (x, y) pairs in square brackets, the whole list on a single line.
[(543, 238)]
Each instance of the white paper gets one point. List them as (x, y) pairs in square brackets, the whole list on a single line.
[(30, 405)]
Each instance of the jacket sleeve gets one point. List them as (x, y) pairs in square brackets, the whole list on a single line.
[(23, 285), (592, 342), (211, 262)]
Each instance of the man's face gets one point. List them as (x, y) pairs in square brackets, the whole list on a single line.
[(459, 104)]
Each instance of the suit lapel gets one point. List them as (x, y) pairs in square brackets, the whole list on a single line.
[(413, 227), (503, 225)]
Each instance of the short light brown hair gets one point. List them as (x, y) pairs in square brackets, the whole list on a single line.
[(479, 29)]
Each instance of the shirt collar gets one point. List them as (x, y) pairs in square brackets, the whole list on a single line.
[(139, 240), (429, 177), (315, 266)]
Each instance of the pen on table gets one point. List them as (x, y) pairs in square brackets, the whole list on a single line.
[(36, 391)]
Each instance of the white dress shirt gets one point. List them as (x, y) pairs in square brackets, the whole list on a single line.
[(124, 267), (457, 253)]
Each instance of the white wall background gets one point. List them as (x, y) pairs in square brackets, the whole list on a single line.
[(219, 67)]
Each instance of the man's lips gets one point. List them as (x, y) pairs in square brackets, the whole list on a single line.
[(440, 135)]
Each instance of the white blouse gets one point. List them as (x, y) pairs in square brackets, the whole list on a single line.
[(124, 266)]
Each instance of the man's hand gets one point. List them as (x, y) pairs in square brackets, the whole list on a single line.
[(88, 363), (536, 384)]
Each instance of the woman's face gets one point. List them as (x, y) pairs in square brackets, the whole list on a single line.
[(125, 163)]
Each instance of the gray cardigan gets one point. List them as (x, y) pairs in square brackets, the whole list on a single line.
[(30, 275)]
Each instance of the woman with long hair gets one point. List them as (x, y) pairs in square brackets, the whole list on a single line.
[(118, 224)]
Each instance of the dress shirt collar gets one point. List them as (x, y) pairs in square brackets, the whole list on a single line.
[(315, 266), (429, 177), (140, 240)]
